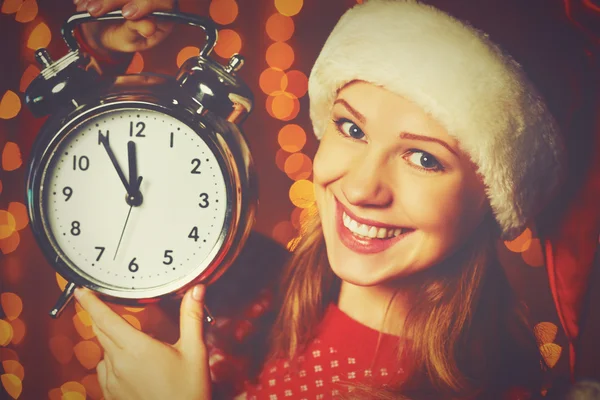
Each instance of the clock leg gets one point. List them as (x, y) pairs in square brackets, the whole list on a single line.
[(63, 300)]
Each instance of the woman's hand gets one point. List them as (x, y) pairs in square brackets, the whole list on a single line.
[(138, 367), (136, 33)]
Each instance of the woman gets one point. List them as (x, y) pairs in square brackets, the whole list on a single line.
[(435, 143)]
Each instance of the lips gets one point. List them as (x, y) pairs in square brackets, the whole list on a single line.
[(365, 236)]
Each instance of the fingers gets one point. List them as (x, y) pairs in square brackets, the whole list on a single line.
[(102, 370), (191, 340), (132, 9)]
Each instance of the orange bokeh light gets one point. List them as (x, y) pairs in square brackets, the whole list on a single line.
[(298, 166), (534, 255), (55, 394), (186, 53), (27, 12), (519, 244), (73, 387), (10, 105), (14, 367), (280, 55), (297, 83), (39, 37), (283, 106), (135, 309), (73, 396), (228, 44), (223, 11), (8, 354), (6, 333), (92, 386), (12, 384), (61, 348), (19, 330), (280, 157), (88, 353), (83, 325), (10, 244), (62, 282), (133, 321), (19, 211), (283, 232), (292, 138), (11, 157), (289, 7), (272, 80), (137, 64), (279, 27), (302, 194), (8, 224), (11, 6), (12, 305), (29, 75)]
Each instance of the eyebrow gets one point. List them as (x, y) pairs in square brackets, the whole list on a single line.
[(361, 118)]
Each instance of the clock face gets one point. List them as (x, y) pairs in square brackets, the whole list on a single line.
[(156, 221)]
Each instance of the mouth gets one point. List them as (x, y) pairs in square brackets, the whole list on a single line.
[(367, 236)]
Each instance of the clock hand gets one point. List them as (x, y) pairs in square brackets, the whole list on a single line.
[(104, 140), (138, 183), (132, 156)]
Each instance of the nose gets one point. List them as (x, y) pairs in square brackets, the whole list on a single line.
[(365, 184)]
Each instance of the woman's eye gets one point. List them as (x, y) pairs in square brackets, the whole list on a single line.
[(349, 128), (424, 161)]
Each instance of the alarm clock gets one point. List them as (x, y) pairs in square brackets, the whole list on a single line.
[(139, 186)]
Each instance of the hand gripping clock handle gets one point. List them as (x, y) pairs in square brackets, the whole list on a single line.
[(184, 18), (63, 300)]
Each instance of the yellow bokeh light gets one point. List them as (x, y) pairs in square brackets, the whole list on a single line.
[(39, 37), (519, 244), (186, 53), (302, 194), (10, 105), (280, 55), (137, 64), (92, 386), (27, 12), (73, 387), (62, 282), (19, 212), (12, 384), (272, 80), (133, 321), (8, 224), (279, 27), (12, 305), (298, 166), (297, 83), (14, 367), (88, 353), (551, 353), (9, 245), (545, 332), (6, 333), (29, 75), (223, 11), (72, 396), (135, 309), (11, 6), (534, 255), (19, 330), (289, 7), (292, 138), (61, 348), (11, 157), (228, 44)]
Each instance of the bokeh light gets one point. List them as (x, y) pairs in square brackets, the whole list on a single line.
[(280, 55), (61, 348), (280, 157), (19, 212), (14, 367), (292, 138), (88, 353), (39, 37), (272, 80), (302, 194), (12, 305), (8, 354), (19, 330), (92, 386), (297, 83), (187, 53), (12, 384), (73, 387), (27, 12), (8, 224), (534, 255), (10, 105), (298, 166), (289, 7), (520, 244), (229, 43), (137, 64), (283, 106), (73, 396), (283, 232), (29, 75), (279, 27), (6, 333), (62, 282), (11, 157), (11, 6), (223, 11), (545, 332), (83, 325), (133, 321), (9, 245), (551, 353)]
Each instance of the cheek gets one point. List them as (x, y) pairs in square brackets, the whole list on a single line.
[(330, 162)]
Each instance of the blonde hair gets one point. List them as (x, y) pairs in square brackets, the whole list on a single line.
[(473, 338)]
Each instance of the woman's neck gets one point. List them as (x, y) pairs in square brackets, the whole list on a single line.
[(378, 307)]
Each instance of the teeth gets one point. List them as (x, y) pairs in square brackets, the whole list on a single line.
[(367, 231)]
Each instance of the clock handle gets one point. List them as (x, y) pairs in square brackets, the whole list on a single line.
[(184, 18), (63, 300)]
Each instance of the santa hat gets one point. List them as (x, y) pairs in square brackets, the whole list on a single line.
[(500, 76)]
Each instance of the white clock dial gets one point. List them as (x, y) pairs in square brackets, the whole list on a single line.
[(176, 229)]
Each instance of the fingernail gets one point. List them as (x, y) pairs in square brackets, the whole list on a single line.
[(94, 6), (78, 293), (129, 10), (76, 2), (197, 293)]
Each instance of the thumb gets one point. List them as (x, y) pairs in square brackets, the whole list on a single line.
[(191, 323)]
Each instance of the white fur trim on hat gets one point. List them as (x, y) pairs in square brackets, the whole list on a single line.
[(456, 74)]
